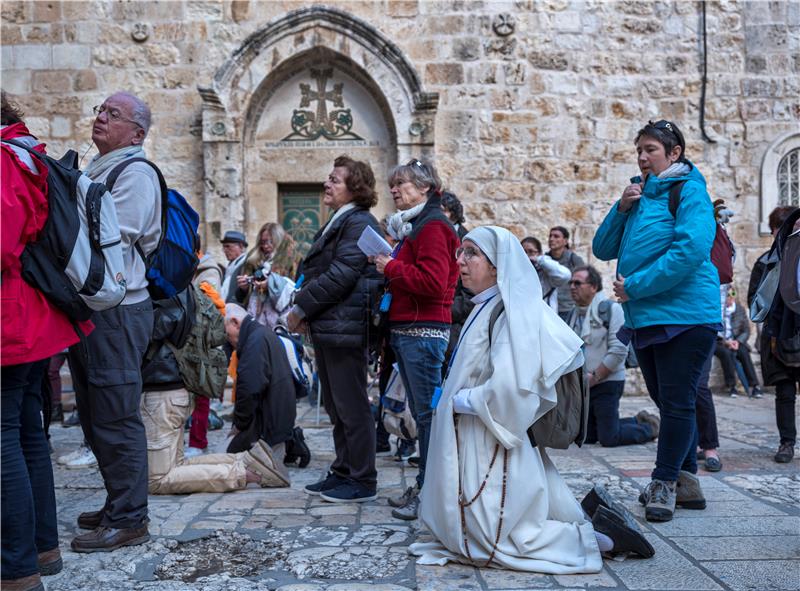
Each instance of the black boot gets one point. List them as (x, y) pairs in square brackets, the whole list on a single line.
[(296, 449), (300, 449), (625, 538), (600, 497)]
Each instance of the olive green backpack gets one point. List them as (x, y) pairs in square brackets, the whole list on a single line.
[(201, 362), (567, 422)]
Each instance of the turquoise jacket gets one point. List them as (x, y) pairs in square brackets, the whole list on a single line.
[(665, 260)]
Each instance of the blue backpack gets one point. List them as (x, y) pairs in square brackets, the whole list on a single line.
[(171, 266)]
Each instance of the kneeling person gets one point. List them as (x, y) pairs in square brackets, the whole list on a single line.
[(189, 327), (596, 319)]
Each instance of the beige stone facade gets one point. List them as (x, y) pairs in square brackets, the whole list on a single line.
[(528, 107)]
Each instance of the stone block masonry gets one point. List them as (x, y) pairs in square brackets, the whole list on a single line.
[(538, 101)]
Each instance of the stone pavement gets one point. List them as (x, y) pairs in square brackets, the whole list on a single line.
[(257, 539)]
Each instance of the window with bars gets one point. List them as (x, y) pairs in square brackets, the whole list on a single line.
[(780, 176), (789, 179)]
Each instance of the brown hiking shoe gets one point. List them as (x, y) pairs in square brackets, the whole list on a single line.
[(50, 562), (785, 453), (30, 583), (647, 418), (106, 539), (660, 497)]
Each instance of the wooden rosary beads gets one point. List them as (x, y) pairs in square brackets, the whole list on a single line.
[(463, 505)]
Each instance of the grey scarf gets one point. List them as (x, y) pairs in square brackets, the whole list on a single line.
[(100, 164)]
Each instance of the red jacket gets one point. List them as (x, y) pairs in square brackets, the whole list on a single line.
[(423, 275), (32, 328)]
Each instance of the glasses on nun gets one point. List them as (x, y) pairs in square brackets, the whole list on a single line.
[(468, 252)]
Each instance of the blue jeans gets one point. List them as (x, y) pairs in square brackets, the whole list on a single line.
[(672, 371), (28, 498), (605, 425), (420, 360)]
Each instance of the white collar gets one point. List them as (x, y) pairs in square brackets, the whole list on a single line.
[(339, 213), (486, 294)]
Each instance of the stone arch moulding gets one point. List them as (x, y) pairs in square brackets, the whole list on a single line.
[(769, 174), (227, 97)]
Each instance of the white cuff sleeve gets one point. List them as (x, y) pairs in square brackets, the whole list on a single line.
[(461, 403)]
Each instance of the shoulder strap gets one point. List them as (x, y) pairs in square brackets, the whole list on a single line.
[(496, 313), (675, 197), (111, 179)]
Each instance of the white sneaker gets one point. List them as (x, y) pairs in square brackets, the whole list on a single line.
[(66, 458), (85, 459), (191, 452)]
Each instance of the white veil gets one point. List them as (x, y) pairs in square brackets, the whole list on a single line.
[(543, 346)]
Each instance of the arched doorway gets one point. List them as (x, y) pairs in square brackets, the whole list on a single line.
[(306, 113), (309, 86)]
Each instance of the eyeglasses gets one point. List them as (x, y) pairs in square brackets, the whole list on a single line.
[(267, 242), (576, 283), (468, 252), (113, 114)]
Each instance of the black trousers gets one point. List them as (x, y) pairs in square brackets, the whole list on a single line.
[(343, 376), (727, 359), (108, 388), (706, 413), (785, 396)]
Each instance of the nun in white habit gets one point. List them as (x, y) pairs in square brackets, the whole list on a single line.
[(490, 498)]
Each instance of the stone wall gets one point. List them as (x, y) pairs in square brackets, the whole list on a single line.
[(535, 118)]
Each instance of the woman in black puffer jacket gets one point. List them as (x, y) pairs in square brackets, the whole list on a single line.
[(334, 303)]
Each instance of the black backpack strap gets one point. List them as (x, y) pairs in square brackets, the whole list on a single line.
[(111, 179), (675, 197), (496, 313)]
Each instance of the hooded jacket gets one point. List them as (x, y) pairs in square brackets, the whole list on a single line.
[(32, 327), (665, 260)]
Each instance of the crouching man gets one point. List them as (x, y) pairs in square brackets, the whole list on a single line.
[(265, 407), (184, 355)]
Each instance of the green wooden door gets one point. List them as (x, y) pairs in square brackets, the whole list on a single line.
[(301, 213)]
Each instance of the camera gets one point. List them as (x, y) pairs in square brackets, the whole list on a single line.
[(260, 274)]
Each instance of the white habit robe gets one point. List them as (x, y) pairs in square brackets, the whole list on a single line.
[(544, 529)]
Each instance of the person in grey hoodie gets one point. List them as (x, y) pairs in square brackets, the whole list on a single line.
[(596, 319), (106, 368)]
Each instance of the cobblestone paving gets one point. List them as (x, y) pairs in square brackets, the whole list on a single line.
[(747, 539)]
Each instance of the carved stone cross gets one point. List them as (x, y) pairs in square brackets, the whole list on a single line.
[(321, 95)]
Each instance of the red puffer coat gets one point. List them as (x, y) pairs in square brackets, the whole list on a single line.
[(31, 327)]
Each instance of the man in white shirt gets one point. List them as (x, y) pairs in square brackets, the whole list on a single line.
[(107, 370), (234, 246), (596, 320)]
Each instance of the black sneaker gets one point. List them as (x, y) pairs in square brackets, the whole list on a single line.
[(413, 461), (73, 420), (349, 492), (330, 481), (756, 393), (57, 414), (733, 392), (625, 538), (405, 449)]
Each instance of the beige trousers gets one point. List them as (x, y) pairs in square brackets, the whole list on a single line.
[(168, 472)]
